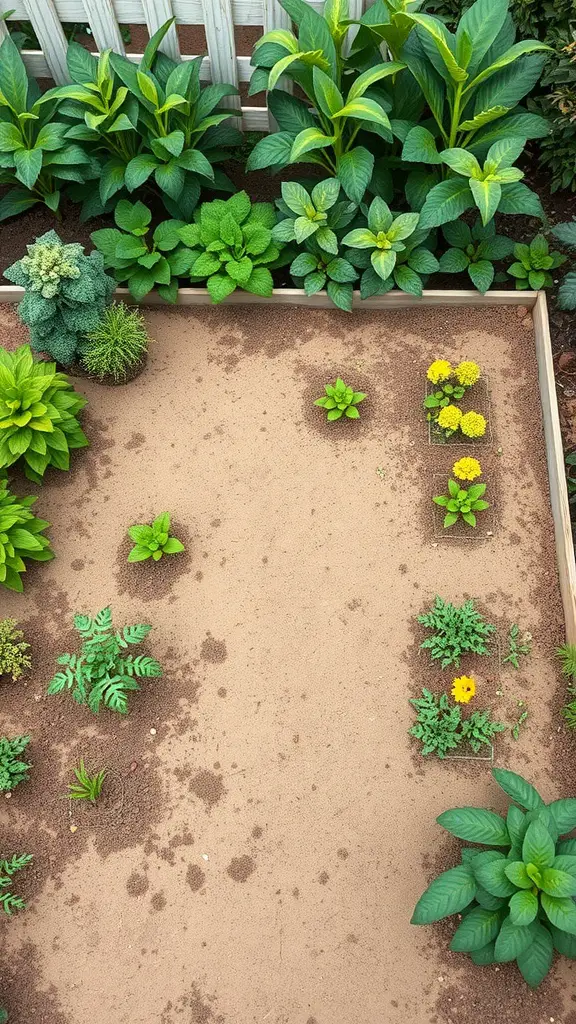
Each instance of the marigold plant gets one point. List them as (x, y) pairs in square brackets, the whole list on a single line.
[(450, 417), (473, 424), (467, 468), (463, 689), (467, 373), (439, 370)]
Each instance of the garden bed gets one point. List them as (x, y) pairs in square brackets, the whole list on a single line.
[(270, 824)]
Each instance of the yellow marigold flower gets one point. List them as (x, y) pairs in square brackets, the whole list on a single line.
[(450, 417), (463, 689), (439, 370), (467, 468), (473, 424), (467, 373)]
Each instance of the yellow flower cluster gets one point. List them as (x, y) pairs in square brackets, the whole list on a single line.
[(467, 373), (463, 689), (467, 468), (450, 417), (439, 370), (472, 424)]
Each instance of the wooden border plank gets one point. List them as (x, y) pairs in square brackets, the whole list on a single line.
[(556, 468), (105, 28), (130, 12), (46, 23)]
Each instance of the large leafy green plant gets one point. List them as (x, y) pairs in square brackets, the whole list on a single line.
[(65, 294), (102, 674), (20, 538), (473, 81), (36, 155), (516, 902), (231, 245), (149, 125), (38, 407), (345, 103), (144, 265), (474, 250)]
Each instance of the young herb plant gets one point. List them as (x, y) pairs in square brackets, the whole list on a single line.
[(8, 868), (153, 541), (13, 657), (383, 237), (462, 503), (12, 769), (87, 787), (520, 721), (340, 400), (20, 538), (534, 263), (441, 728), (316, 214), (314, 270), (117, 345), (456, 630), (517, 901), (102, 674), (478, 730), (474, 250), (518, 646)]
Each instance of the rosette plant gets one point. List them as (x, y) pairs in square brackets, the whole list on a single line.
[(383, 237), (474, 250), (20, 539), (533, 264), (315, 214), (148, 125), (38, 407), (340, 400), (462, 502), (515, 898)]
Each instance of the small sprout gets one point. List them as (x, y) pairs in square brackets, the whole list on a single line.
[(153, 541), (340, 400), (517, 646), (88, 787)]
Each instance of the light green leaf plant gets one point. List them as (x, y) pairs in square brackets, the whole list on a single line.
[(153, 541)]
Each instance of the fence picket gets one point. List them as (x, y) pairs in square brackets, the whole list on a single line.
[(156, 13), (47, 27), (219, 28), (105, 28)]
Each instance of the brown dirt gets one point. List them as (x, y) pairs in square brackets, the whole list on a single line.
[(268, 826)]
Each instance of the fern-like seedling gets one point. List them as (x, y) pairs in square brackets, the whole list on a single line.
[(8, 901), (87, 787), (102, 674), (12, 769), (455, 631), (567, 655)]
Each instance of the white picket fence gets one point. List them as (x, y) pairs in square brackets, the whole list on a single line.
[(105, 17)]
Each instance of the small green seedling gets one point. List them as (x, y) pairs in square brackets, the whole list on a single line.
[(460, 502), (88, 786), (8, 901), (153, 541), (533, 263), (520, 721), (517, 645), (340, 400)]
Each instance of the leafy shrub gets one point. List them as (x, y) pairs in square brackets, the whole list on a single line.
[(134, 260), (13, 658), (8, 868), (314, 270), (533, 263), (12, 769), (462, 503), (66, 292), (153, 541), (516, 902), (36, 154), (20, 538), (441, 728), (314, 214), (383, 237), (567, 291), (149, 126), (231, 246), (101, 674), (343, 104), (340, 400), (475, 250), (117, 345), (38, 407), (455, 631), (87, 787), (414, 262)]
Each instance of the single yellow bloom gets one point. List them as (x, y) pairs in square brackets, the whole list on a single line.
[(467, 468), (450, 417), (467, 373), (463, 689), (439, 370), (473, 424)]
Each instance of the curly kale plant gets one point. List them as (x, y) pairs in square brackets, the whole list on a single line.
[(12, 769), (20, 538), (102, 673), (474, 250), (340, 400), (516, 902), (153, 541), (534, 263), (8, 901), (38, 406), (13, 658), (455, 631), (232, 246), (65, 294)]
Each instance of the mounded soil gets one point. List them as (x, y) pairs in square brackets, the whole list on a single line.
[(266, 824)]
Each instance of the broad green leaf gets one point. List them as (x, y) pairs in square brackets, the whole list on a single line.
[(445, 202), (371, 76), (407, 280), (454, 261), (487, 195), (560, 911), (535, 962), (482, 275), (475, 825), (296, 198), (512, 941), (360, 238), (354, 170), (439, 35), (478, 928), (309, 140), (291, 113), (558, 883), (482, 23), (566, 292), (341, 294), (564, 815), (13, 77), (503, 153), (133, 217), (489, 869), (147, 87), (325, 194), (564, 942), (311, 57), (272, 150), (379, 216), (383, 261), (565, 862), (139, 170), (327, 93), (403, 226), (449, 893), (280, 36), (420, 147), (483, 957), (364, 109), (28, 165), (461, 161), (483, 117), (523, 907), (195, 161), (515, 51), (422, 261), (516, 872), (538, 847)]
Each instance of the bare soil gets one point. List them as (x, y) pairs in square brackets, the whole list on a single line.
[(267, 824)]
